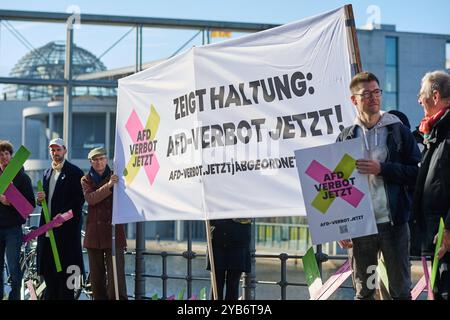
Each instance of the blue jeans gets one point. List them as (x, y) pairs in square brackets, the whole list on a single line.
[(393, 242), (11, 242)]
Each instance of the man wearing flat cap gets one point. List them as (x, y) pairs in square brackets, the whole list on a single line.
[(97, 187), (62, 191)]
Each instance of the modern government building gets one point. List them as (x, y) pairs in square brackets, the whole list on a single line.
[(33, 114)]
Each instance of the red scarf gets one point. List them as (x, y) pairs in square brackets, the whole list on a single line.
[(428, 122)]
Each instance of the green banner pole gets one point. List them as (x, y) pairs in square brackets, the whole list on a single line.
[(50, 232)]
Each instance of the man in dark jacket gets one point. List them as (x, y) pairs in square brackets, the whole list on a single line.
[(390, 160), (432, 193), (11, 224), (62, 191), (97, 188)]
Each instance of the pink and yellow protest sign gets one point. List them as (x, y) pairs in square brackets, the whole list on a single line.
[(142, 150), (336, 195)]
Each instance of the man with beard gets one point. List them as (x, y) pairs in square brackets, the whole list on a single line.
[(62, 191)]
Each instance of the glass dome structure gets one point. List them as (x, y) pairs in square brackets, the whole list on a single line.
[(47, 62)]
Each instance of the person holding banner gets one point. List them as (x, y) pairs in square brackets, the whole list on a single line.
[(391, 158), (62, 192), (11, 224), (231, 253), (432, 192), (97, 188)]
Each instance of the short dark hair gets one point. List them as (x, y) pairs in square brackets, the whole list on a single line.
[(6, 146), (363, 77)]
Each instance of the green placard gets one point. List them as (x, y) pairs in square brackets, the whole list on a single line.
[(181, 294), (13, 168), (155, 297), (202, 294), (436, 258), (50, 232), (310, 267), (382, 272)]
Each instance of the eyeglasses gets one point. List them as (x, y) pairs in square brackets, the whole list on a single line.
[(367, 94)]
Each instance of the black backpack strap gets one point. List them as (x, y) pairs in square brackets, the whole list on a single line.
[(397, 134)]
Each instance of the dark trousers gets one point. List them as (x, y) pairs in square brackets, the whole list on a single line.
[(393, 242), (57, 287), (10, 243), (101, 274), (229, 279)]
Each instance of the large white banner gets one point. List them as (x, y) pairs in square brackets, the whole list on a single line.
[(211, 133), (337, 197)]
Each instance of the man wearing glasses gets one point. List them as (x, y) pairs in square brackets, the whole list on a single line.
[(97, 188), (390, 162)]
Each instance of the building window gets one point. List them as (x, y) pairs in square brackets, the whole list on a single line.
[(390, 94), (90, 133)]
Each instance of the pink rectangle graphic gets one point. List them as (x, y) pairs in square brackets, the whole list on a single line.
[(335, 281), (318, 172), (418, 288), (31, 290), (426, 273), (133, 126), (152, 170), (18, 201), (43, 229)]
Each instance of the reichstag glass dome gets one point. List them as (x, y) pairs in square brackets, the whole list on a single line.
[(47, 62)]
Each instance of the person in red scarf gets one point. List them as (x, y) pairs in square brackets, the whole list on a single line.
[(432, 192)]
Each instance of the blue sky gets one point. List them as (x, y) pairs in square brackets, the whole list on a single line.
[(414, 16)]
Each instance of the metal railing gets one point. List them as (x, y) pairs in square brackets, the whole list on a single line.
[(249, 284), (283, 282), (260, 233), (274, 234)]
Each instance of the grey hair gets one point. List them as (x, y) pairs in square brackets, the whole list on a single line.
[(436, 80)]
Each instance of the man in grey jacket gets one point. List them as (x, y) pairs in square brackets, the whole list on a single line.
[(390, 161)]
